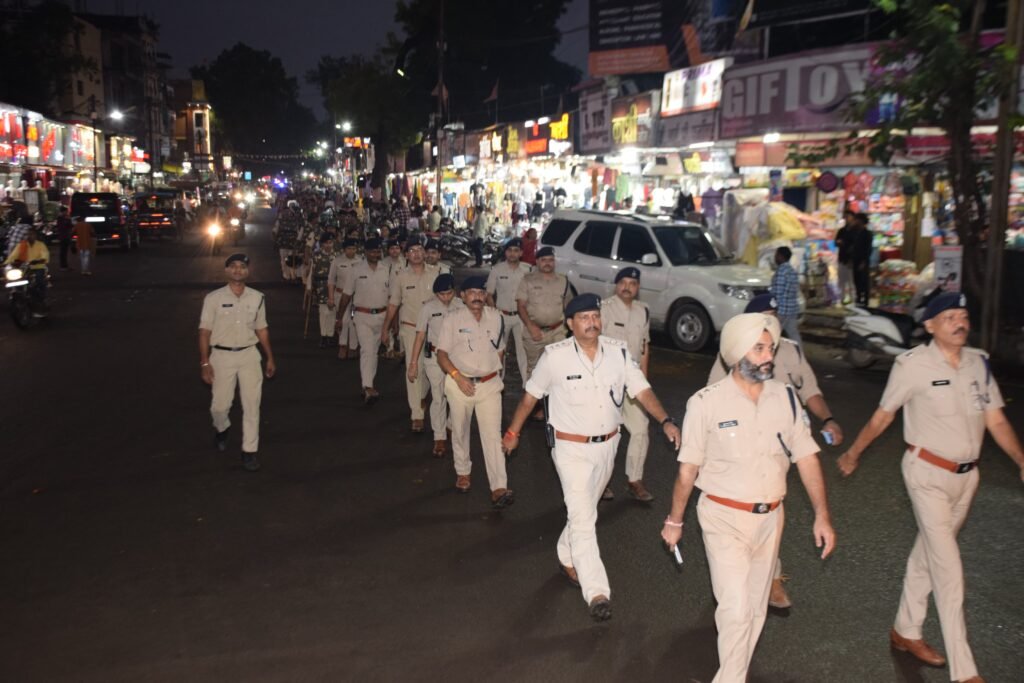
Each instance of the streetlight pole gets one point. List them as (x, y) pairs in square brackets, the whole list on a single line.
[(93, 116), (440, 98)]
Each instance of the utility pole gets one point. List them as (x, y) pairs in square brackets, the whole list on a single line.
[(440, 97), (93, 116), (1002, 168)]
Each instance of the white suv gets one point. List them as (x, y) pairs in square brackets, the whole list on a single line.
[(687, 278)]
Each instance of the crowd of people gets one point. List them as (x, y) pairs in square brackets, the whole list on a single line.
[(585, 365)]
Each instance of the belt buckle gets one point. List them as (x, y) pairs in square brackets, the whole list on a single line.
[(964, 467), (599, 439), (761, 508)]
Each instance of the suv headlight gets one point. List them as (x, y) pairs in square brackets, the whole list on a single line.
[(738, 291)]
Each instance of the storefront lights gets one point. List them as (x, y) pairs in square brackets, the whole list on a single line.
[(771, 138), (702, 145)]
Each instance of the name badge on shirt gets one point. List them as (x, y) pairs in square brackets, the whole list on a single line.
[(503, 277), (364, 277), (436, 315), (619, 324), (940, 383), (410, 286), (465, 330), (226, 305), (571, 377), (730, 423)]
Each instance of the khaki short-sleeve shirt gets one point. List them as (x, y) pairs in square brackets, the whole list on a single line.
[(943, 407), (411, 290), (368, 287), (545, 298), (743, 448), (631, 324), (233, 320), (503, 284), (341, 266), (473, 346)]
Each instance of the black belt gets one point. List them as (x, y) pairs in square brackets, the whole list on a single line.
[(232, 348), (508, 312)]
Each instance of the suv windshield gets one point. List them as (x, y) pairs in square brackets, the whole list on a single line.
[(686, 245)]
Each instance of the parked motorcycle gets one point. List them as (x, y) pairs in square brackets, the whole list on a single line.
[(456, 247), (872, 333), (215, 234), (27, 307)]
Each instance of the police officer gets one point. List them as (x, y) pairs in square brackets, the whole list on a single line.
[(502, 285), (586, 380), (791, 367), (739, 437), (627, 319), (428, 331), (286, 233), (469, 351), (367, 287), (949, 398), (540, 299), (411, 287), (320, 270), (395, 260), (233, 320), (433, 256), (341, 265)]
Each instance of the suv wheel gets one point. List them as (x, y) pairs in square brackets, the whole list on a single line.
[(690, 327)]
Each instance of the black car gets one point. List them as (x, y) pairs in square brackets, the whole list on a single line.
[(104, 211)]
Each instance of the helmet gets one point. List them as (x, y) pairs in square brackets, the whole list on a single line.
[(292, 204), (328, 204)]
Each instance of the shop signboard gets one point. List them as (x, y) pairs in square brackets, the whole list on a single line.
[(513, 149), (949, 267), (687, 129), (693, 89), (11, 135), (546, 136), (633, 119), (595, 122), (627, 37), (805, 93), (775, 12)]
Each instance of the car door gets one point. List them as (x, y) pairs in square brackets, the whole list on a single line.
[(634, 246), (593, 264)]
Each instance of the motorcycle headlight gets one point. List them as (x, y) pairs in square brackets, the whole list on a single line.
[(241, 205), (737, 291), (14, 274), (234, 221), (213, 230)]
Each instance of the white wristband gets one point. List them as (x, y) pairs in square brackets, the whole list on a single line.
[(678, 525)]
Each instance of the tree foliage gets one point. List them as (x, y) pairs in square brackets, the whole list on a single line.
[(256, 103), (36, 48), (937, 72)]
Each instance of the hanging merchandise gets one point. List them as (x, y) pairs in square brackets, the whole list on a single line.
[(895, 284)]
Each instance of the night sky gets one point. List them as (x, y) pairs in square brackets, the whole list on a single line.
[(297, 31)]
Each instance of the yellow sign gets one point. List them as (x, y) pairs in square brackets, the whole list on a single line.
[(693, 164), (624, 129), (512, 141), (560, 128)]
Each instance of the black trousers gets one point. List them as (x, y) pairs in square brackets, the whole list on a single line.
[(65, 247), (862, 282)]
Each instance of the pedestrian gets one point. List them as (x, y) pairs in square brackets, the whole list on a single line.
[(428, 332), (844, 256), (860, 258), (530, 247), (63, 229), (367, 287), (949, 398), (341, 266), (434, 219), (628, 319), (585, 381), (320, 269), (790, 367), (469, 352), (233, 321), (410, 288), (541, 297), (502, 286), (85, 243), (785, 288), (481, 229), (740, 436)]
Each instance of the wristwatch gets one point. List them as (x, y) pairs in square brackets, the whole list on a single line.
[(669, 419)]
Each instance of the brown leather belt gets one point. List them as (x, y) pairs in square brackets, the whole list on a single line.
[(508, 312), (578, 438), (948, 465), (548, 328), (371, 311), (481, 380), (755, 508), (409, 324)]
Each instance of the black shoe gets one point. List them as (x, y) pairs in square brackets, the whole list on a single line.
[(249, 462), (220, 440), (600, 609)]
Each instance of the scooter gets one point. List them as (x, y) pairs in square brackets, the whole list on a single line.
[(872, 333), (216, 236), (237, 230), (26, 308)]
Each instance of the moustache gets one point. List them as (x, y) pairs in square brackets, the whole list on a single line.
[(960, 330), (592, 328)]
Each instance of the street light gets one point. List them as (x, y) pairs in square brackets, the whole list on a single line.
[(117, 115), (346, 126)]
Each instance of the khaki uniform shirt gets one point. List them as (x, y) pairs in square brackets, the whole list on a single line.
[(341, 266), (503, 284), (738, 444), (411, 290), (431, 316), (586, 397), (943, 408), (791, 367), (631, 324), (233, 320), (545, 298), (393, 265), (474, 347), (368, 286)]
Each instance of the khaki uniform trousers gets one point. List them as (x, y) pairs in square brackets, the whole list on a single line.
[(287, 271), (742, 548), (438, 402), (534, 349), (243, 369), (416, 391), (584, 470), (347, 335), (327, 320), (368, 327), (486, 403), (514, 333), (941, 500), (635, 420)]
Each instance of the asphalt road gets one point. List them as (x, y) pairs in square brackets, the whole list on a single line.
[(132, 551)]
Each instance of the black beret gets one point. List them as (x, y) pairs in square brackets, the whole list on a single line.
[(762, 303), (372, 243), (583, 302), (545, 251), (514, 242), (628, 272), (236, 257), (944, 302), (432, 244), (444, 283), (349, 242), (474, 282)]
